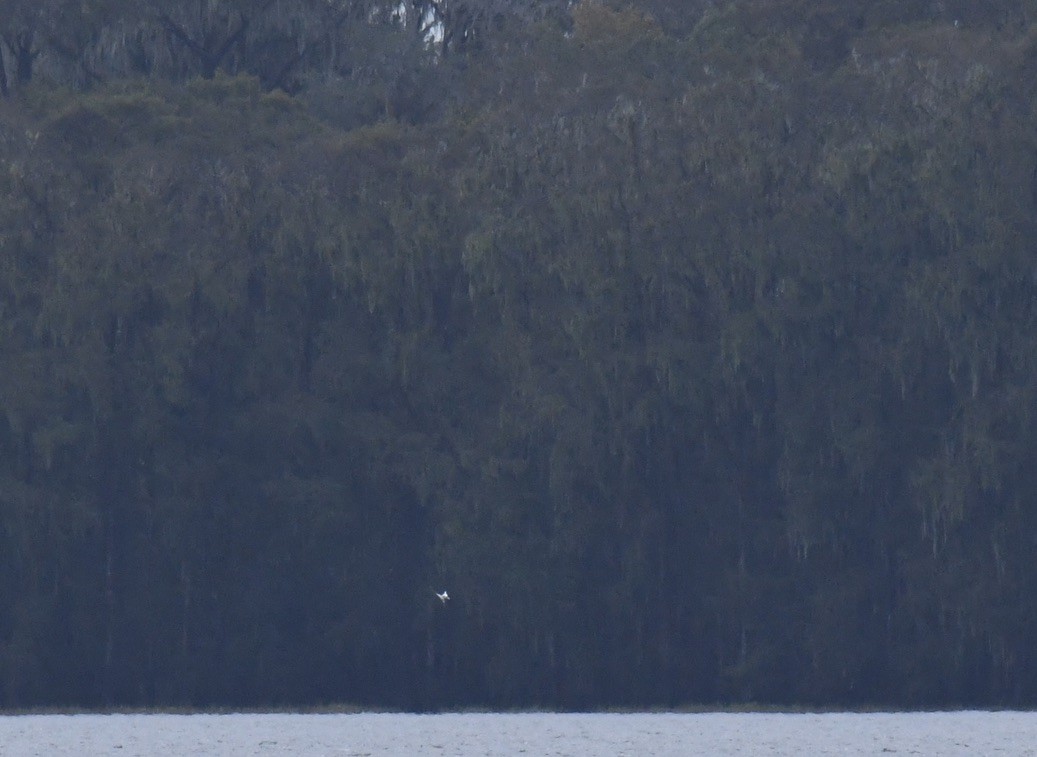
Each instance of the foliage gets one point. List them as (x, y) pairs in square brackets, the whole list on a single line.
[(690, 346)]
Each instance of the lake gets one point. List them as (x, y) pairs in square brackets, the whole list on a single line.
[(939, 733)]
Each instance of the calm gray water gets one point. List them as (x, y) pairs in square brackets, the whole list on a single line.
[(945, 733)]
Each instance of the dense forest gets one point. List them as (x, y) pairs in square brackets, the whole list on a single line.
[(690, 344)]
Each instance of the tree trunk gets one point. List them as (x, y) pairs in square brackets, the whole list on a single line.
[(4, 91), (24, 56), (109, 609)]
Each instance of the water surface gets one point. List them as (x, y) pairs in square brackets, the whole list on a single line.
[(578, 735)]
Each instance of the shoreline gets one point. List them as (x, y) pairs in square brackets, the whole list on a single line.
[(753, 709)]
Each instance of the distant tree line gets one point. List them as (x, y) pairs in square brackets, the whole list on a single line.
[(691, 346)]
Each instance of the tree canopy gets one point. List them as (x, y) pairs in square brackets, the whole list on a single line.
[(691, 346)]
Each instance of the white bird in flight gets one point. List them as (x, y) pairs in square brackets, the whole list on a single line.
[(443, 597)]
